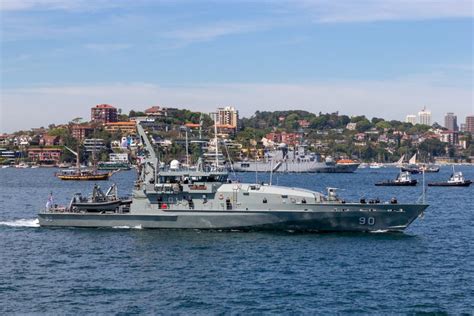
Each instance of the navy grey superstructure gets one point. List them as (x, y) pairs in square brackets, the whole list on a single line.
[(294, 161), (202, 198)]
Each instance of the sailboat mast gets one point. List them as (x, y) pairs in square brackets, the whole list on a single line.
[(215, 139), (187, 149), (78, 160)]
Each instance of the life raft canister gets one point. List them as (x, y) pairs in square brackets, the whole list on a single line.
[(221, 196)]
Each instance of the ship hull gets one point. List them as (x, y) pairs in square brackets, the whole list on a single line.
[(447, 184), (97, 177), (338, 168), (397, 184), (327, 218), (290, 167), (111, 167)]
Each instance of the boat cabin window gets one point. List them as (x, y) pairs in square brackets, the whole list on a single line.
[(284, 196), (170, 179), (245, 165), (192, 179)]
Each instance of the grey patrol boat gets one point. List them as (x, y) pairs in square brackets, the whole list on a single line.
[(203, 198)]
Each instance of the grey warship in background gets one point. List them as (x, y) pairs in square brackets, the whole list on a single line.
[(171, 197), (284, 159)]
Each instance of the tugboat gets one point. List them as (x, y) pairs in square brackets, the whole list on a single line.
[(456, 180), (403, 179), (177, 197)]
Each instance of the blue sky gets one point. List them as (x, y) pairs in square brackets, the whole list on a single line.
[(382, 58)]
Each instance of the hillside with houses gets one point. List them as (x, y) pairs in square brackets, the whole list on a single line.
[(109, 130)]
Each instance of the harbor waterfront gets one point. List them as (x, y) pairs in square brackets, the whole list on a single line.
[(125, 269)]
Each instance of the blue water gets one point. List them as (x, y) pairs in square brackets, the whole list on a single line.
[(429, 268)]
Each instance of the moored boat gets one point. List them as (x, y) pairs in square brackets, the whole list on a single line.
[(80, 174), (456, 180), (403, 179), (375, 165), (429, 168)]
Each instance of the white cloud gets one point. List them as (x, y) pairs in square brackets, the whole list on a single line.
[(107, 47), (29, 107), (66, 5), (327, 11), (210, 32)]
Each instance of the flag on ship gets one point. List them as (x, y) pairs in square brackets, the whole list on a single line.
[(49, 203)]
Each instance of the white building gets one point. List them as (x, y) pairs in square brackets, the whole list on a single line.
[(228, 116), (410, 118), (118, 157), (424, 117), (351, 126)]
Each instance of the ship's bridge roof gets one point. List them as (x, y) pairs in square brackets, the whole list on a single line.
[(268, 189), (192, 173)]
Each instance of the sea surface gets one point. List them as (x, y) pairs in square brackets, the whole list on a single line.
[(427, 269)]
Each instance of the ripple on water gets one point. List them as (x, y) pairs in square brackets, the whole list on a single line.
[(427, 269)]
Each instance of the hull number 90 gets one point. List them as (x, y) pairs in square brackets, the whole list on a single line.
[(367, 221)]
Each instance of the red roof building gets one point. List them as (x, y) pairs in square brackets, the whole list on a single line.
[(283, 137), (104, 113), (125, 128), (48, 140), (45, 155), (192, 125), (155, 111), (450, 137), (80, 132), (303, 123)]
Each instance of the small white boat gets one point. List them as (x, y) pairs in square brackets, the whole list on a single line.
[(6, 166), (22, 166), (375, 165)]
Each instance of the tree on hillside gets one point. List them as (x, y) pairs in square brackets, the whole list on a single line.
[(432, 147), (363, 125), (76, 120)]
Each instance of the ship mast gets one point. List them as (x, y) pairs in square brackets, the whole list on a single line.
[(215, 139), (78, 163)]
